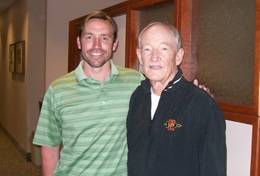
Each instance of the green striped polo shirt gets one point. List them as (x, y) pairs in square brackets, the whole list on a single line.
[(88, 119)]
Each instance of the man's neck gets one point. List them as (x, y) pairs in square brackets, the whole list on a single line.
[(159, 86), (100, 74)]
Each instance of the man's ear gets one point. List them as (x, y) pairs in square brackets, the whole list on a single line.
[(179, 56), (138, 53), (78, 43), (115, 45)]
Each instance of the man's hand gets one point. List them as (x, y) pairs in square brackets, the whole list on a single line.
[(203, 87)]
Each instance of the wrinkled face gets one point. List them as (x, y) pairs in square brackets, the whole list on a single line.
[(96, 42), (158, 54)]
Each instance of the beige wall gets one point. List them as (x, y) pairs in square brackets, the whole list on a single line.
[(35, 72), (119, 55), (14, 27), (24, 20)]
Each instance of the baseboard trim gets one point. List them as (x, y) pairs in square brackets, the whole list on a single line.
[(27, 155)]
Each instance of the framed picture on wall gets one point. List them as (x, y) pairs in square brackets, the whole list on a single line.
[(12, 58), (20, 57)]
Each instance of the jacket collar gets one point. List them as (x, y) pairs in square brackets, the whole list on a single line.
[(177, 78)]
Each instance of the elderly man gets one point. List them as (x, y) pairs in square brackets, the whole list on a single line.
[(173, 127)]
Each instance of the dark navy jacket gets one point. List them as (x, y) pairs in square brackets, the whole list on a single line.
[(185, 138)]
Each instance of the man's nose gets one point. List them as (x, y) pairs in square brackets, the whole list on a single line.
[(97, 43), (155, 55)]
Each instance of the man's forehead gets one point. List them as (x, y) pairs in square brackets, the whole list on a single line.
[(157, 29), (89, 32), (98, 27), (98, 23), (157, 34)]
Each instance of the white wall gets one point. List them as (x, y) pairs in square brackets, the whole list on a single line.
[(239, 143)]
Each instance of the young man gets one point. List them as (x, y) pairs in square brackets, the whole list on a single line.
[(173, 127), (82, 122)]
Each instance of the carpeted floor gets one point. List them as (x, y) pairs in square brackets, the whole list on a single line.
[(12, 163)]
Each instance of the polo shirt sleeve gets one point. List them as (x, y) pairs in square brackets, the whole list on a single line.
[(213, 155), (48, 131)]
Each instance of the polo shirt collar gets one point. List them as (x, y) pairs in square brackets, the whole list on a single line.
[(81, 77)]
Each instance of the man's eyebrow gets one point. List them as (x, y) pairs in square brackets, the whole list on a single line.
[(87, 33), (109, 35), (91, 33)]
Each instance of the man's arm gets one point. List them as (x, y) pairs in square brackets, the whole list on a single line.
[(214, 151), (50, 157)]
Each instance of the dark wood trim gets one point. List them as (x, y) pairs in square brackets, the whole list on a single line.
[(140, 4), (251, 110), (73, 51), (118, 9), (255, 160), (132, 22), (242, 118), (257, 60), (256, 137), (177, 13), (185, 27)]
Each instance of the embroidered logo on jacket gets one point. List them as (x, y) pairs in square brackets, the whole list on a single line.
[(171, 125)]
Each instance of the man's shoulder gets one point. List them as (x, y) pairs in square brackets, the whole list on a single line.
[(129, 73), (123, 70), (64, 80), (198, 96)]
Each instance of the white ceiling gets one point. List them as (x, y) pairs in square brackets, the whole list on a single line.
[(4, 4)]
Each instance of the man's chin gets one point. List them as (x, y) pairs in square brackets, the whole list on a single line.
[(153, 78), (97, 64)]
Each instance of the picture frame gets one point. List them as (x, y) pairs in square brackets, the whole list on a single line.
[(12, 58), (20, 57)]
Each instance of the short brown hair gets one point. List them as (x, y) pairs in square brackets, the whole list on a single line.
[(99, 15)]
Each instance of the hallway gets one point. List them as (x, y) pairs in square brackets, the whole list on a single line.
[(12, 163)]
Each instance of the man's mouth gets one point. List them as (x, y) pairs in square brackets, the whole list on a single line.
[(96, 52), (155, 67)]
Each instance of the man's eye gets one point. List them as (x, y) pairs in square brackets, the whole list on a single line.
[(105, 38), (88, 37), (146, 49), (165, 49)]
